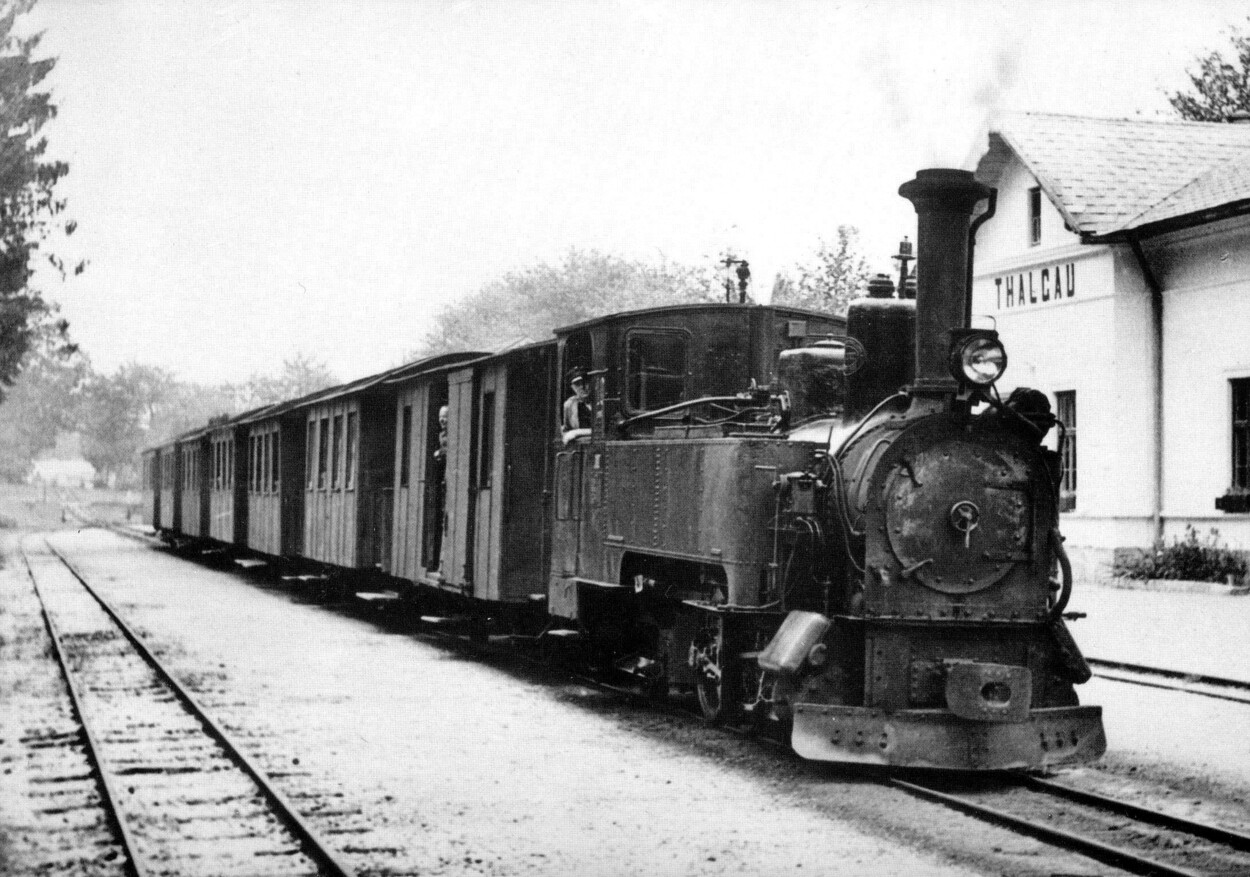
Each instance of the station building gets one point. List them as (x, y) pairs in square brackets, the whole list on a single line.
[(1117, 270)]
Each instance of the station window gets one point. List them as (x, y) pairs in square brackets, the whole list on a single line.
[(405, 445), (353, 443), (486, 469), (1241, 433), (1065, 403), (655, 368), (1035, 216)]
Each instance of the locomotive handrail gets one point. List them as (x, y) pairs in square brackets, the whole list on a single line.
[(1065, 574), (681, 406)]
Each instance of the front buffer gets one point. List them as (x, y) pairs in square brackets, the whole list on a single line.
[(935, 738)]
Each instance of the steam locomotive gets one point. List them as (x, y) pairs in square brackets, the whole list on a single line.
[(835, 529)]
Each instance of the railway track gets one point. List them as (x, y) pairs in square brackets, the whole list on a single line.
[(1120, 834), (179, 794), (1217, 687), (1124, 835)]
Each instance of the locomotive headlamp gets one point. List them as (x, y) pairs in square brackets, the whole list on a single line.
[(977, 357)]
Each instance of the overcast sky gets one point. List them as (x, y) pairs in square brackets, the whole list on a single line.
[(254, 179)]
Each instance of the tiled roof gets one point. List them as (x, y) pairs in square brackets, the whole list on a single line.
[(1112, 175)]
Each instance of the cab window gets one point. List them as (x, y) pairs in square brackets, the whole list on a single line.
[(655, 368)]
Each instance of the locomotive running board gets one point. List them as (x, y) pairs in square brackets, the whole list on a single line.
[(939, 739)]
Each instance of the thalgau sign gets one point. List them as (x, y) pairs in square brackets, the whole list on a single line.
[(1037, 286)]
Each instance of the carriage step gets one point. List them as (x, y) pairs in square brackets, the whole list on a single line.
[(446, 620), (208, 552), (306, 578), (249, 563), (377, 596)]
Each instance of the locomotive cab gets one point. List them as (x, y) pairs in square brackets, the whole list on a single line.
[(656, 519)]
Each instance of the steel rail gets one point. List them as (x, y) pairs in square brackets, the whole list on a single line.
[(1105, 853), (112, 801), (1236, 840), (1178, 675), (317, 849)]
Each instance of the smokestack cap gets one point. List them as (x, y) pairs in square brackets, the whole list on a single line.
[(944, 189)]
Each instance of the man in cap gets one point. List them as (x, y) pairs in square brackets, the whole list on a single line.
[(577, 413)]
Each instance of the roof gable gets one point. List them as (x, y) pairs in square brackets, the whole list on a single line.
[(1112, 175)]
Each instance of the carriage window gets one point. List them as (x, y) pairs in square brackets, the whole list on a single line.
[(336, 453), (405, 446), (309, 458), (351, 449), (274, 460), (266, 460), (486, 468), (323, 452), (655, 368), (1065, 403)]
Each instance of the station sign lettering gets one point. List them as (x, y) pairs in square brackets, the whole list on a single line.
[(1038, 286)]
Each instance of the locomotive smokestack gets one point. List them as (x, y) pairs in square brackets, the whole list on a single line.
[(944, 200)]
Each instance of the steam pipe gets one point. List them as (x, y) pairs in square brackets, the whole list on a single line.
[(985, 217), (944, 200)]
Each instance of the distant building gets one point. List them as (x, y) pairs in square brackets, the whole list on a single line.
[(63, 466), (1117, 268), (63, 473)]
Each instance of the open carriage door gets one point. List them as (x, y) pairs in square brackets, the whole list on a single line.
[(457, 532)]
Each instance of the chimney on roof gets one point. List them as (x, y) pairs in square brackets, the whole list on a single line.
[(1241, 117)]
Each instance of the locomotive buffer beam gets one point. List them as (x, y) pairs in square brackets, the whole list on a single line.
[(936, 738)]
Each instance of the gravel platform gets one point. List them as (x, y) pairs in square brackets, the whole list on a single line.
[(417, 758)]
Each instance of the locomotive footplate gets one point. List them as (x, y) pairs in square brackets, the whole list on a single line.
[(935, 738)]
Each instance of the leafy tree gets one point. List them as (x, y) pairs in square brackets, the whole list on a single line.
[(300, 376), (44, 400), (1221, 86), (526, 305), (836, 275), (29, 208), (118, 412)]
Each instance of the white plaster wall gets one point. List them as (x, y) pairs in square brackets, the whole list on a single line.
[(1206, 326), (1097, 342), (1006, 236)]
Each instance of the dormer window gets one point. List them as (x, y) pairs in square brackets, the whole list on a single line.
[(1035, 216)]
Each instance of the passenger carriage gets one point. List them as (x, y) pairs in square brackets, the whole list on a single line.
[(150, 469), (168, 499), (470, 495), (227, 471), (273, 443), (350, 468), (194, 477)]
